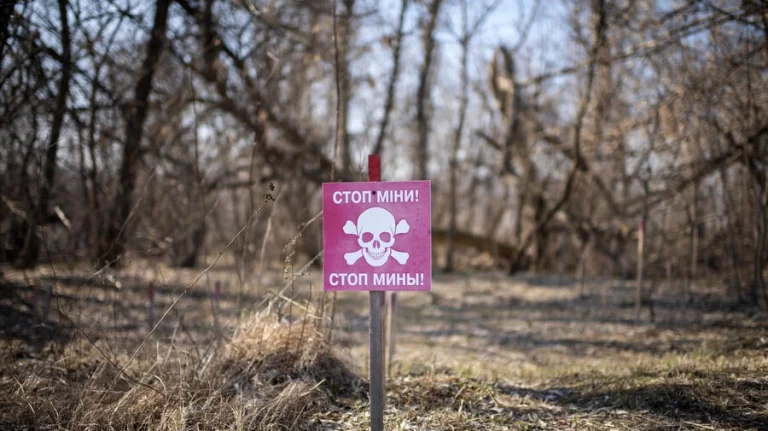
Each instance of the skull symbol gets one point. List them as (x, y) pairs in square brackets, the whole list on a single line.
[(376, 230)]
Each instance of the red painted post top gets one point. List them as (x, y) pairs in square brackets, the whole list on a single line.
[(374, 167)]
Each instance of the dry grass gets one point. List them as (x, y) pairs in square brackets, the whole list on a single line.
[(705, 392), (490, 354), (270, 376)]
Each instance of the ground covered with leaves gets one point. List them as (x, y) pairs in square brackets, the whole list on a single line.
[(482, 352)]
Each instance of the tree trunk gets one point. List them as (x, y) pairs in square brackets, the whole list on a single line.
[(640, 268), (541, 236), (454, 164), (379, 147), (113, 243), (31, 252), (423, 93), (343, 82), (693, 241), (584, 249), (760, 177), (600, 21), (187, 252), (641, 241), (6, 9)]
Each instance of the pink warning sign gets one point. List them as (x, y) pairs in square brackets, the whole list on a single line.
[(377, 236)]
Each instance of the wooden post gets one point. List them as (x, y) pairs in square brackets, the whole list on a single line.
[(694, 261), (640, 264), (151, 305), (376, 370), (391, 331), (377, 299)]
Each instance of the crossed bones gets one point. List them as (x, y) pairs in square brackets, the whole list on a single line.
[(351, 229)]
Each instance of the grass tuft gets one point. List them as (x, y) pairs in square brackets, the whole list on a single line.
[(269, 376)]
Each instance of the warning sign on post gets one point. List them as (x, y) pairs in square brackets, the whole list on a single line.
[(377, 236)]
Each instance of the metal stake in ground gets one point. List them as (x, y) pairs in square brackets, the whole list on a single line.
[(376, 368)]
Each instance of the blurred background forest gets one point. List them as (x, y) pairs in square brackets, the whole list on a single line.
[(161, 164), (552, 131)]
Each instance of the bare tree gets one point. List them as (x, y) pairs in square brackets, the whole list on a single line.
[(393, 77), (343, 40), (113, 242), (423, 93), (468, 31), (31, 250)]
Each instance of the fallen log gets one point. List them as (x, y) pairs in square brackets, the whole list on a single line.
[(500, 251)]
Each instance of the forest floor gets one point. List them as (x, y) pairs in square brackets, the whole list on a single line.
[(482, 351)]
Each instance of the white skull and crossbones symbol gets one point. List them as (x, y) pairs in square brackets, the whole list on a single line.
[(375, 231)]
